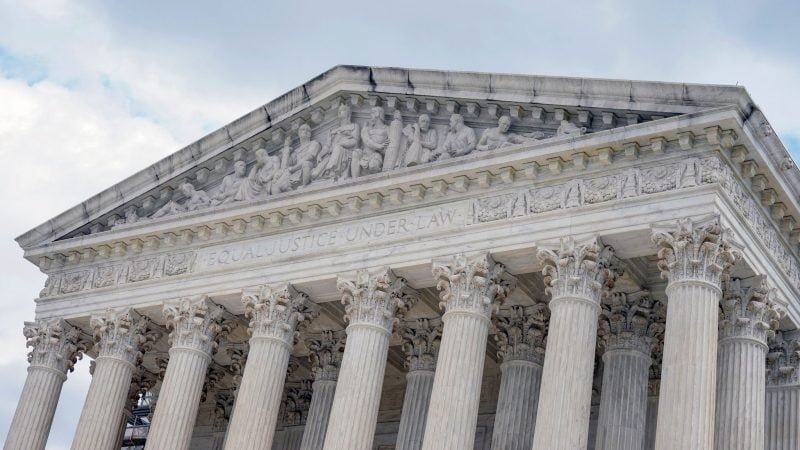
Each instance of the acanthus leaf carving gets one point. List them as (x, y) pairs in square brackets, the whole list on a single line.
[(783, 360), (749, 311), (701, 251), (122, 334), (325, 354), (631, 321), (378, 297), (55, 344), (583, 270), (421, 340), (196, 323), (277, 312), (521, 333), (475, 283)]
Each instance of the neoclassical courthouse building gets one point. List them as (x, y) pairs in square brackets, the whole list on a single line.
[(386, 258)]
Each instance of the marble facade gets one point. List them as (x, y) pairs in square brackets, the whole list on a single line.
[(390, 258)]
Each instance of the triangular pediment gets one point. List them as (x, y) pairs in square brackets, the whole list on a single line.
[(361, 121)]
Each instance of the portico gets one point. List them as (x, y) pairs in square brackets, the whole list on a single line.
[(484, 292)]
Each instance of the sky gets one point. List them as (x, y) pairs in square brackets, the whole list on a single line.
[(91, 92)]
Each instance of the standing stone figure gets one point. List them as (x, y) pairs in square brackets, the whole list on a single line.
[(499, 136), (460, 140), (344, 141), (392, 157), (375, 140), (230, 184), (422, 141), (259, 181)]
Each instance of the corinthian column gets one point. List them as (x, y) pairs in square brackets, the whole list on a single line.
[(628, 329), (471, 290), (325, 357), (196, 325), (577, 276), (783, 392), (521, 334), (421, 345), (56, 346), (121, 336), (275, 313), (748, 319), (695, 257), (373, 302)]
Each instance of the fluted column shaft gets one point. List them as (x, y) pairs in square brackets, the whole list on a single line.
[(98, 427), (562, 419), (741, 391), (354, 413), (650, 423), (319, 413), (453, 412), (515, 419), (255, 414), (623, 400), (178, 400), (688, 375), (783, 417), (33, 418), (415, 410)]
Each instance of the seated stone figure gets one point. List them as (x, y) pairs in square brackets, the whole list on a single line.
[(304, 158), (375, 139), (334, 162), (259, 181), (460, 140), (498, 137), (422, 141), (230, 184)]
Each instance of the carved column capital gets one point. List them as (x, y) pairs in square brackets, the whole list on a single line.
[(521, 333), (294, 408), (695, 251), (142, 381), (325, 354), (584, 270), (196, 323), (277, 312), (474, 284), (783, 360), (421, 340), (378, 298), (223, 408), (748, 311), (55, 344), (238, 356), (122, 334), (633, 321)]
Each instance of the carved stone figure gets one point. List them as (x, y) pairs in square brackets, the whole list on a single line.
[(304, 157), (193, 200), (422, 141), (259, 181), (628, 184), (499, 136), (460, 140), (344, 140), (688, 173), (568, 128), (230, 184), (375, 140), (393, 156)]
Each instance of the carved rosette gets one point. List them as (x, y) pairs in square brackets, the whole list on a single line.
[(55, 344), (196, 323), (277, 312), (702, 251), (378, 298), (748, 312), (631, 322), (583, 270), (325, 354), (473, 284), (521, 333), (122, 334), (421, 343), (783, 360)]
